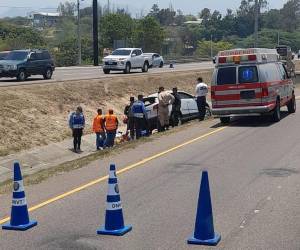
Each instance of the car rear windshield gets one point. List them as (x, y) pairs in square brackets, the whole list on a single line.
[(3, 55), (248, 74), (226, 76), (149, 101), (17, 55), (121, 52)]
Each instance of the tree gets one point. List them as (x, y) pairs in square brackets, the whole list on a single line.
[(115, 27), (67, 9), (290, 15), (204, 47), (149, 35)]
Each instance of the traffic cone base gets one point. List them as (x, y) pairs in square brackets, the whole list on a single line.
[(210, 242), (118, 232), (8, 226)]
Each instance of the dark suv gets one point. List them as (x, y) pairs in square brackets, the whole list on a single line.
[(24, 63)]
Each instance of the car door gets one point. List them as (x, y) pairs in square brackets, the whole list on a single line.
[(31, 65), (134, 59), (156, 60), (140, 58), (184, 104)]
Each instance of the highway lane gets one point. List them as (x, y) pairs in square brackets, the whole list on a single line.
[(84, 73), (254, 174)]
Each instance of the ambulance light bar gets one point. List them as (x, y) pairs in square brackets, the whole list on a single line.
[(237, 59)]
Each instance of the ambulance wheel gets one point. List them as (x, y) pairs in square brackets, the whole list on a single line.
[(106, 71), (225, 120), (292, 105), (276, 113)]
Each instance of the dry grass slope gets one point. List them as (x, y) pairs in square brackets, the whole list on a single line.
[(37, 115)]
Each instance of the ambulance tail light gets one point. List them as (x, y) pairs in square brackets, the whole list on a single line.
[(252, 58), (265, 92), (213, 95), (222, 59)]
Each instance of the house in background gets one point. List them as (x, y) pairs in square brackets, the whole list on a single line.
[(43, 19)]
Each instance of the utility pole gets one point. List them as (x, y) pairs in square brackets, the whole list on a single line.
[(256, 16), (78, 32), (211, 46), (95, 33)]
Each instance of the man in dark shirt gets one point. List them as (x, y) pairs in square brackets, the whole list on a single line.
[(175, 114), (130, 118)]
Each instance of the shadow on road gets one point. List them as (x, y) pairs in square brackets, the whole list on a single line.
[(252, 121), (27, 80)]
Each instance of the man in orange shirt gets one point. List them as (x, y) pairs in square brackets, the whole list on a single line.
[(99, 130), (111, 124)]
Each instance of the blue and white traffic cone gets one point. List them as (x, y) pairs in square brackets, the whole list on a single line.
[(204, 227), (19, 219), (114, 221)]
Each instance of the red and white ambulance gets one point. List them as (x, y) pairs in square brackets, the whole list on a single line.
[(251, 82)]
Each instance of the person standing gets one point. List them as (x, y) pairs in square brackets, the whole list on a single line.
[(99, 130), (111, 124), (176, 108), (164, 100), (130, 118), (140, 116), (201, 92), (77, 123)]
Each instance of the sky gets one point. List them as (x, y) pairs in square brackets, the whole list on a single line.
[(8, 7)]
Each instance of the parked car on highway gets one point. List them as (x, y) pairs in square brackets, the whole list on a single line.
[(3, 54), (24, 63), (157, 60), (189, 109), (125, 59)]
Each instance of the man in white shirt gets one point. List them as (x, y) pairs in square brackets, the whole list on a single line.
[(201, 92)]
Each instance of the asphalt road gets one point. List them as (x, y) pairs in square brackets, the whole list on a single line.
[(83, 73), (254, 169)]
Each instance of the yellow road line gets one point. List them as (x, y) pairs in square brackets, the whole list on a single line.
[(123, 170)]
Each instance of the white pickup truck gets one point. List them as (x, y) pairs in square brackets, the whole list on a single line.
[(125, 59)]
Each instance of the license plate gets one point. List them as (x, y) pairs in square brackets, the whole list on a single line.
[(248, 94)]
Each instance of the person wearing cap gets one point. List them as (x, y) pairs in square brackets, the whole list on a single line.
[(201, 92), (77, 123), (99, 130), (130, 119), (176, 107), (140, 116), (111, 124), (164, 100)]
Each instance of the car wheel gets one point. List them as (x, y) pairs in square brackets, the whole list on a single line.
[(127, 68), (161, 64), (48, 74), (225, 120), (21, 75), (145, 67), (292, 105), (276, 113), (106, 71)]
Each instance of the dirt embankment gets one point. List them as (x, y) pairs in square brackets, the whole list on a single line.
[(37, 115)]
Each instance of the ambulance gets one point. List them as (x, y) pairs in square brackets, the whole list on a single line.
[(251, 82)]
